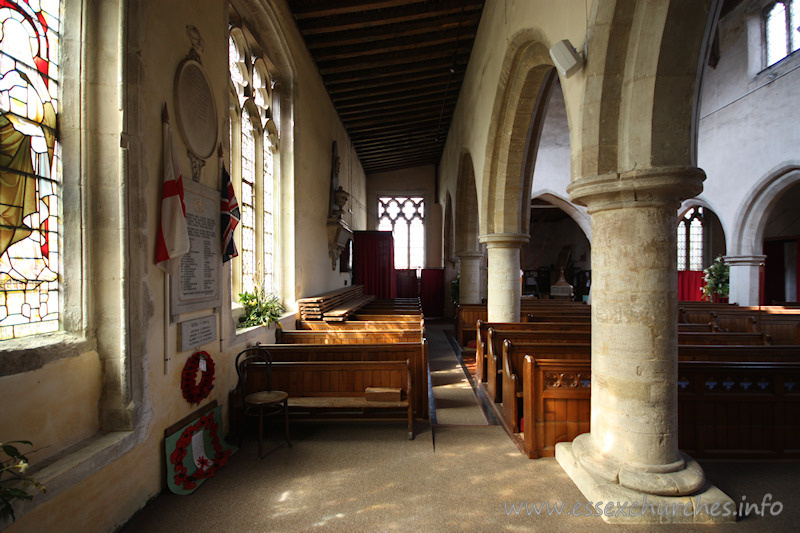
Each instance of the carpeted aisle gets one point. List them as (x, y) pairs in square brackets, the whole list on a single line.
[(455, 402)]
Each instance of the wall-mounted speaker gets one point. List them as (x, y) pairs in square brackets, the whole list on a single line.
[(567, 60)]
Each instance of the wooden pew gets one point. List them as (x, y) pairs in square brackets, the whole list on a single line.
[(482, 330), (556, 403), (725, 400), (515, 351), (387, 316), (364, 325), (416, 353), (341, 386), (347, 336)]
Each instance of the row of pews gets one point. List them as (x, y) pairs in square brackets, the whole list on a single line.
[(738, 390), (374, 363)]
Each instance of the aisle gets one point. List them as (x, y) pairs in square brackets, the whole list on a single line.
[(454, 401)]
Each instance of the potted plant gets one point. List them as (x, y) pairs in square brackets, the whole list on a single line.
[(717, 280), (14, 483), (260, 308)]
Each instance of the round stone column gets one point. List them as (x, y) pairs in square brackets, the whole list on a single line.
[(505, 286), (745, 282), (469, 285), (634, 414)]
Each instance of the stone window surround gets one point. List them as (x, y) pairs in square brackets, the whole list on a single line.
[(757, 68), (240, 36)]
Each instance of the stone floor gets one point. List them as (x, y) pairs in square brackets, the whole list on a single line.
[(366, 476)]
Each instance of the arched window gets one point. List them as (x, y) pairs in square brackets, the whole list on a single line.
[(30, 176), (405, 218), (253, 141), (781, 29), (690, 240)]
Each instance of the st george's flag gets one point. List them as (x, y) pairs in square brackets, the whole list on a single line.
[(172, 240), (229, 217)]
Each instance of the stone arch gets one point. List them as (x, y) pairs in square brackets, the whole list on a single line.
[(448, 231), (520, 100), (466, 208), (576, 213), (753, 214), (635, 112), (715, 240)]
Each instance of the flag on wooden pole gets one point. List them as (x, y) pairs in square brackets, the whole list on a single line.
[(229, 217), (172, 240)]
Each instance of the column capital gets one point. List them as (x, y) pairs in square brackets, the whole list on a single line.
[(469, 254), (649, 187), (504, 240), (744, 260)]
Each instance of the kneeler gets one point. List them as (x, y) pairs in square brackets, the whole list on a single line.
[(195, 449)]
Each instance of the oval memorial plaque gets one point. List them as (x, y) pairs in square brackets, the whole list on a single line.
[(196, 110)]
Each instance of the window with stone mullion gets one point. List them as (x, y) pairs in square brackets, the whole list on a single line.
[(781, 22)]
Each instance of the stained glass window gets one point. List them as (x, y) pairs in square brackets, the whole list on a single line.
[(405, 218), (29, 168), (254, 173), (690, 240)]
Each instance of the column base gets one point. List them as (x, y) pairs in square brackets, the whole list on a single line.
[(621, 505)]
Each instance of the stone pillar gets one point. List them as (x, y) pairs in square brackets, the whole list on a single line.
[(745, 284), (469, 285), (505, 286), (633, 443)]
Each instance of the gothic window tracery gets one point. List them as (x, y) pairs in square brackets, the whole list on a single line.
[(405, 218), (253, 141)]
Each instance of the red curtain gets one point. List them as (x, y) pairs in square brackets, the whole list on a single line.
[(432, 292), (690, 283), (407, 284), (373, 263)]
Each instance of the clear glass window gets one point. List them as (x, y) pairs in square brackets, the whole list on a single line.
[(405, 218)]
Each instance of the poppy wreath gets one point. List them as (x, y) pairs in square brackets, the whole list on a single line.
[(207, 466), (193, 391)]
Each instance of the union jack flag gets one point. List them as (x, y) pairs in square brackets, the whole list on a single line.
[(229, 217)]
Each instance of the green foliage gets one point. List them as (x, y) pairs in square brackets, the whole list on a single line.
[(717, 278), (260, 308), (454, 290), (13, 481)]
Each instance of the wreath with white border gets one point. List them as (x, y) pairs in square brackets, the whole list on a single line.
[(193, 391)]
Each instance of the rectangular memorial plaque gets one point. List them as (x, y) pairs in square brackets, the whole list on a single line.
[(197, 282), (194, 333)]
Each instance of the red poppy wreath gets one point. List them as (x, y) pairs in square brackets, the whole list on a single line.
[(193, 391)]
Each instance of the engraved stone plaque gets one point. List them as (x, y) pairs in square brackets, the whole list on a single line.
[(197, 283), (197, 112), (194, 333)]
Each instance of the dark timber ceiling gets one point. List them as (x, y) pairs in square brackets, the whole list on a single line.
[(393, 69)]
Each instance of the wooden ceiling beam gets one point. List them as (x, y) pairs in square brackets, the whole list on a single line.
[(379, 33), (417, 58), (442, 39), (415, 106), (317, 25), (392, 93), (305, 10), (398, 117)]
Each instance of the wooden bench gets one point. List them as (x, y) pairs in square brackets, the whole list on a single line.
[(416, 353), (576, 342), (346, 336), (387, 316), (364, 325), (340, 387), (553, 395)]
